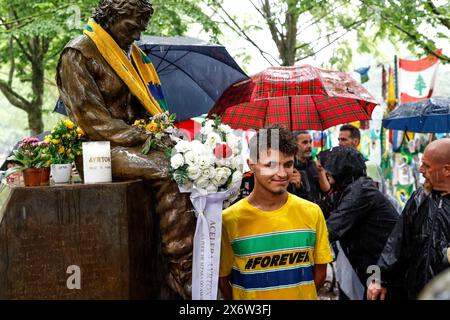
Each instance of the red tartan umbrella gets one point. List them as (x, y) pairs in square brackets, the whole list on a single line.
[(299, 97)]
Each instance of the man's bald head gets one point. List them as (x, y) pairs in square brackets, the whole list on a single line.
[(439, 151), (436, 165)]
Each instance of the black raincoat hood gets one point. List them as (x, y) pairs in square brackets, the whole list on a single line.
[(344, 164)]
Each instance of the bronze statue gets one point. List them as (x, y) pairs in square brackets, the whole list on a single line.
[(100, 102)]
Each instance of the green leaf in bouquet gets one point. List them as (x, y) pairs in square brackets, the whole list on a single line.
[(146, 149), (172, 117), (168, 152), (180, 175)]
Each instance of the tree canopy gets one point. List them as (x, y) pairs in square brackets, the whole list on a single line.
[(33, 33), (292, 22)]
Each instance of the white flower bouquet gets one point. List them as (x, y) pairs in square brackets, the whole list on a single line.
[(212, 161), (210, 168)]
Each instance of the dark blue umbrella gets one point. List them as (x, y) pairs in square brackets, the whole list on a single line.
[(431, 115), (193, 73)]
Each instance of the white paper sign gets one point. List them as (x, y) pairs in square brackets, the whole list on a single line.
[(97, 162)]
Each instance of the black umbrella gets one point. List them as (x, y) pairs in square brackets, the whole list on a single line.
[(193, 73)]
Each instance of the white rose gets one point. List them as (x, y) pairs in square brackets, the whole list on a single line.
[(191, 158), (212, 139), (225, 128), (221, 176), (201, 183), (183, 146), (208, 173), (236, 177), (223, 162), (194, 172), (177, 161), (205, 161), (205, 150), (211, 188), (237, 163), (227, 172), (207, 127), (196, 145)]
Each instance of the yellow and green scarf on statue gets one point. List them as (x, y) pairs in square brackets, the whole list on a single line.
[(141, 78)]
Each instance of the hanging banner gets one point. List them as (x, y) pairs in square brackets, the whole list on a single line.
[(403, 192), (206, 252), (417, 78)]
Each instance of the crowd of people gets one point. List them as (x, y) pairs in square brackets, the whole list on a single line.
[(292, 209), (295, 215)]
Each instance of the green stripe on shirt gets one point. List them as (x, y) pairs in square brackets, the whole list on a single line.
[(279, 241)]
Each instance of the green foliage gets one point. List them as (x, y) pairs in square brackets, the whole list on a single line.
[(174, 17), (341, 58), (417, 23), (291, 24), (180, 175)]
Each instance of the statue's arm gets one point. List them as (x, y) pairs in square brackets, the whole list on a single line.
[(82, 96)]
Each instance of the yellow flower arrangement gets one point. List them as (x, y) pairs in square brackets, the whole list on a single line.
[(69, 124), (156, 127), (152, 126), (80, 132), (65, 142)]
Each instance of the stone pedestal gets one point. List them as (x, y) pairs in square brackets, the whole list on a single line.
[(101, 237)]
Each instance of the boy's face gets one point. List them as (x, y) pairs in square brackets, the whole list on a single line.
[(273, 171)]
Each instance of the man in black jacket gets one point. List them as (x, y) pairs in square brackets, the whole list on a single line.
[(363, 218), (418, 248), (309, 180)]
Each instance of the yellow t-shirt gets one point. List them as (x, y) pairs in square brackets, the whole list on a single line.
[(271, 255)]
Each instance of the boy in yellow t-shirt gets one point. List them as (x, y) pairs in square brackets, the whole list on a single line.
[(274, 244)]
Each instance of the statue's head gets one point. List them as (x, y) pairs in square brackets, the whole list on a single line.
[(124, 20)]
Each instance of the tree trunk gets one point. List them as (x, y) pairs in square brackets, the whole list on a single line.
[(289, 52), (37, 48), (287, 55), (35, 122)]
